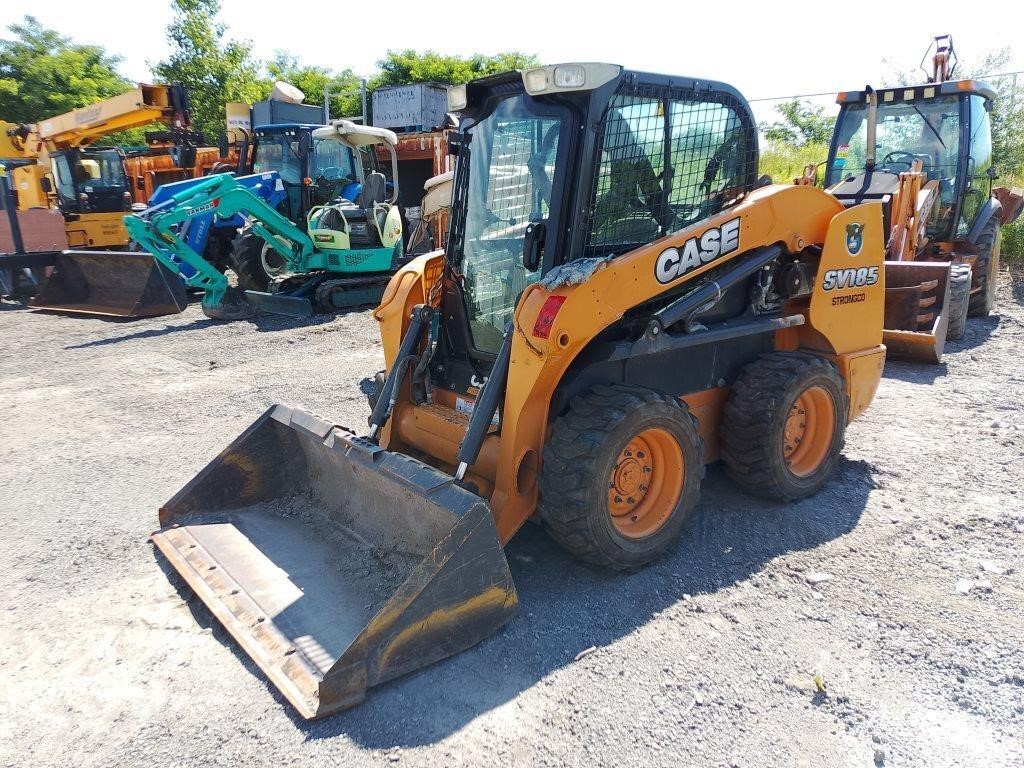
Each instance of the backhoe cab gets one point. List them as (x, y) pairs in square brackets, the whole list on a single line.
[(925, 152), (620, 302)]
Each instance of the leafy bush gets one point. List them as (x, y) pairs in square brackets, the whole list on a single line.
[(785, 162)]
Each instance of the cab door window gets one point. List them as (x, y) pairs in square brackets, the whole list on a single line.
[(665, 164), (978, 184)]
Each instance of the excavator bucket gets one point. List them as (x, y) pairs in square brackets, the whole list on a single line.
[(335, 564), (916, 309), (116, 283)]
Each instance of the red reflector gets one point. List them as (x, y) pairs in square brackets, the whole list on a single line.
[(546, 318)]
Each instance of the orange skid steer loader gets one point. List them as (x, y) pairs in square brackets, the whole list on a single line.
[(621, 301)]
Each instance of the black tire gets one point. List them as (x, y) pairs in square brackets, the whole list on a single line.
[(753, 432), (986, 271), (378, 386), (959, 299), (582, 454), (247, 262)]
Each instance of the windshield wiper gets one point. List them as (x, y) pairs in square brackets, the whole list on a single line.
[(930, 126)]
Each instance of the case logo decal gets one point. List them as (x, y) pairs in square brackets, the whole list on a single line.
[(854, 238), (673, 263)]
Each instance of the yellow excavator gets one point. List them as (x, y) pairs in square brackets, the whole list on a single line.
[(621, 301), (54, 165)]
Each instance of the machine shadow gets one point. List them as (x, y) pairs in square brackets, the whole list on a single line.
[(567, 607), (262, 323), (978, 331)]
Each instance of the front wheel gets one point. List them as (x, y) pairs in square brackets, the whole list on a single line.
[(783, 425), (255, 262), (986, 271), (621, 474)]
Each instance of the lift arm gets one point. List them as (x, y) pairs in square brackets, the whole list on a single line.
[(157, 229)]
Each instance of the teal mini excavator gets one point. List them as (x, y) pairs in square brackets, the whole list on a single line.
[(344, 258)]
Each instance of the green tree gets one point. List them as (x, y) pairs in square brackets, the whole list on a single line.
[(212, 68), (43, 74), (802, 123), (410, 66), (312, 81)]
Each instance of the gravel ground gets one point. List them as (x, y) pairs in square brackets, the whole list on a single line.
[(897, 590)]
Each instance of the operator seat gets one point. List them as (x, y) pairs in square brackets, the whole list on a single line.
[(366, 220)]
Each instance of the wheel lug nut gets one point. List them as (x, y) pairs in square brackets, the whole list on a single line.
[(640, 454), (643, 487), (618, 499), (629, 453), (631, 500), (633, 518)]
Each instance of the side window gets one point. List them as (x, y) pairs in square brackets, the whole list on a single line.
[(665, 164), (65, 183), (629, 195), (978, 187), (710, 157), (981, 137)]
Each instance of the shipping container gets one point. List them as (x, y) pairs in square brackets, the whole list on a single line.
[(417, 107)]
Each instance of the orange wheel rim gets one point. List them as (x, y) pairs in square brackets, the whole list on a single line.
[(809, 429), (646, 483)]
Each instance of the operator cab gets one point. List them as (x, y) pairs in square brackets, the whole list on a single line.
[(574, 163), (315, 171), (946, 126), (90, 181)]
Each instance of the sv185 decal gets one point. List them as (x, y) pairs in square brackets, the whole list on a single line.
[(837, 279), (673, 263)]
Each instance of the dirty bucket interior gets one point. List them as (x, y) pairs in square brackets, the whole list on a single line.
[(336, 567), (916, 310), (113, 283)]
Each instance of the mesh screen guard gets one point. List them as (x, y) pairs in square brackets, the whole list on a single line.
[(669, 157)]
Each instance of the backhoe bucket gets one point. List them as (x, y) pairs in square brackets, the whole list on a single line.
[(116, 283), (335, 564), (916, 310)]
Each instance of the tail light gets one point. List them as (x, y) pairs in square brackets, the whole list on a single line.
[(546, 316)]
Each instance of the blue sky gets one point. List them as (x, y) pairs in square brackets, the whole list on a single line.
[(780, 49)]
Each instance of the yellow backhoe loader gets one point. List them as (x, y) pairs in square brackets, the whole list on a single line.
[(621, 301), (925, 152)]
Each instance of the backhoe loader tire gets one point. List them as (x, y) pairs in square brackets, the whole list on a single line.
[(986, 270), (247, 262), (959, 298), (620, 476), (766, 445)]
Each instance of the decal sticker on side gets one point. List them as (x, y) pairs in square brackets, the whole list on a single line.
[(716, 242), (838, 279), (854, 238)]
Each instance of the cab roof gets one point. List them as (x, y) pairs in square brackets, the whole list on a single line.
[(920, 92)]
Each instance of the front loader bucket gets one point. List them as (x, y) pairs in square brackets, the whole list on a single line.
[(335, 564), (916, 310), (117, 283)]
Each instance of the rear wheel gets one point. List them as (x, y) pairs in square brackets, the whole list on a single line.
[(783, 425), (621, 474), (255, 262), (986, 271)]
